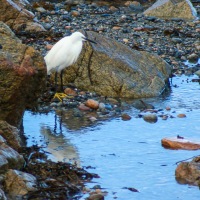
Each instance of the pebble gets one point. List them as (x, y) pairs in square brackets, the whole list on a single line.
[(116, 27), (93, 119), (181, 115), (108, 106), (193, 57), (168, 108), (48, 47), (125, 40), (113, 8), (176, 40), (40, 9), (70, 91), (83, 107), (125, 117), (151, 118), (75, 13), (91, 103), (95, 197), (102, 106), (47, 26)]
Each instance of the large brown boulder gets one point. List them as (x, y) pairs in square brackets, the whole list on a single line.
[(189, 172), (22, 76), (112, 69), (172, 9), (17, 17)]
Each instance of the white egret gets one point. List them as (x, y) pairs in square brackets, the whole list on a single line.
[(64, 53)]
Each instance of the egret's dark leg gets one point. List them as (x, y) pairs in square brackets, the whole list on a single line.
[(56, 80), (61, 81)]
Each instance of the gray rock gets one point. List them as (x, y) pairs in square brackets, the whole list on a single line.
[(151, 118), (176, 40), (9, 158), (112, 69), (41, 9), (2, 195), (172, 9), (19, 183)]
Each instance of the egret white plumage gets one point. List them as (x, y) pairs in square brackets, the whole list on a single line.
[(64, 53)]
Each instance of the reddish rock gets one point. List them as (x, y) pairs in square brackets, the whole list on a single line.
[(75, 13), (49, 46), (168, 108), (181, 115), (22, 76), (180, 143), (125, 117), (116, 27), (151, 118), (113, 8), (70, 91), (92, 104), (82, 93)]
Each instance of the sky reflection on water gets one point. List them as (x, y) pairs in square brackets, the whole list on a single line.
[(129, 153)]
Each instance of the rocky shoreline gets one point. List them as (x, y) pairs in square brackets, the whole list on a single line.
[(175, 40)]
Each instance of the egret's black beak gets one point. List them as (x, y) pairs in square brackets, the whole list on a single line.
[(90, 40)]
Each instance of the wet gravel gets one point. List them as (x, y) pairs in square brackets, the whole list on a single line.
[(175, 40)]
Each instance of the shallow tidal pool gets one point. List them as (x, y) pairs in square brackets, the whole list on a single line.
[(127, 154)]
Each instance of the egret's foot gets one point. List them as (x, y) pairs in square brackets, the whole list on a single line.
[(59, 96)]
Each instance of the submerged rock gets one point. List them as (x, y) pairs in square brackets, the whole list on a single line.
[(189, 172), (112, 69), (151, 118)]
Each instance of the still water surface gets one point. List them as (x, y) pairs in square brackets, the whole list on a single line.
[(128, 153)]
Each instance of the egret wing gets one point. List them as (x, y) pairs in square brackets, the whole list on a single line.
[(57, 55)]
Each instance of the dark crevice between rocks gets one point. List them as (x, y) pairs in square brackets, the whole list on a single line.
[(89, 68)]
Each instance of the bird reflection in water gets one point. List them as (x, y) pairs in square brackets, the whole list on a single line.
[(59, 147)]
